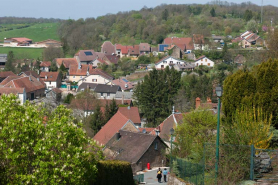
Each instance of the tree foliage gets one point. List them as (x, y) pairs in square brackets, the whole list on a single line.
[(35, 149), (249, 127), (51, 52), (196, 129), (257, 87), (9, 66), (212, 12), (156, 93)]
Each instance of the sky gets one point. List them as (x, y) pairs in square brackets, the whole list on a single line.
[(75, 9)]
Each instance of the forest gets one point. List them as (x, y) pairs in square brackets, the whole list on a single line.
[(152, 25)]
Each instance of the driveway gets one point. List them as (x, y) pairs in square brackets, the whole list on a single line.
[(150, 176)]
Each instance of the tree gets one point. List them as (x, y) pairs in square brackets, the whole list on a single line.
[(212, 12), (248, 15), (196, 129), (68, 98), (257, 87), (51, 52), (252, 26), (165, 14), (250, 127), (110, 110), (35, 149), (9, 66), (156, 93), (273, 44), (97, 120), (53, 67), (228, 30)]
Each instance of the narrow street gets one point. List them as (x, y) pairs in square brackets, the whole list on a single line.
[(150, 177)]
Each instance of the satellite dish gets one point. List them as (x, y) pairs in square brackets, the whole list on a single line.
[(144, 131)]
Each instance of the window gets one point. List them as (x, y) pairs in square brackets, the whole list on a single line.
[(164, 62), (162, 66), (201, 59), (50, 83), (206, 60), (80, 76), (73, 77), (155, 146), (101, 94), (94, 80), (178, 62), (208, 64), (108, 94), (201, 64), (171, 62)]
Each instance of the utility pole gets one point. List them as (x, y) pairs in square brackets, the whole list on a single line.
[(262, 11)]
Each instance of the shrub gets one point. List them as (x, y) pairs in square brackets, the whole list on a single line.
[(114, 172)]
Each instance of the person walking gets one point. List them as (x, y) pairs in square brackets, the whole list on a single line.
[(159, 175), (165, 172)]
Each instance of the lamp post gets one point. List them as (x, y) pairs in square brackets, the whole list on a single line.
[(218, 91), (171, 132)]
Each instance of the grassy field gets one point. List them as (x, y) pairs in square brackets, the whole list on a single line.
[(23, 53), (37, 32)]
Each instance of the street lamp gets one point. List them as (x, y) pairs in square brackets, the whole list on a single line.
[(219, 92), (171, 132)]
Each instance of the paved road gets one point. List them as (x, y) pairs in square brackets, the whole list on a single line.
[(150, 177)]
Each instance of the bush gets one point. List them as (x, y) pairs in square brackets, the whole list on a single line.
[(114, 172)]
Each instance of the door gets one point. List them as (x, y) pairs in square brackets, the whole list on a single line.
[(32, 96)]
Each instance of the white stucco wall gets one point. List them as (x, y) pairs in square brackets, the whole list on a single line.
[(204, 61), (22, 97), (98, 79), (51, 85), (168, 61)]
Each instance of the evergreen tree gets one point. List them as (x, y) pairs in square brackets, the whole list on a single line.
[(63, 68), (97, 120), (212, 12), (165, 15), (9, 64), (113, 108), (53, 67), (248, 15)]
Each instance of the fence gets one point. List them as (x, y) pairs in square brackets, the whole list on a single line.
[(189, 172), (139, 178)]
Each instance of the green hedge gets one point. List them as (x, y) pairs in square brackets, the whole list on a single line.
[(114, 172)]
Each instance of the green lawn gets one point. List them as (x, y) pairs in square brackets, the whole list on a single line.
[(23, 53), (37, 32)]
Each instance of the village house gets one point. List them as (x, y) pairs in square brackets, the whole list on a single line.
[(19, 92), (136, 148), (87, 56), (177, 51), (239, 60), (168, 61), (5, 74), (184, 67), (208, 105), (199, 42), (144, 48), (54, 94), (247, 39), (120, 95), (86, 73), (111, 59), (45, 66), (108, 48), (106, 91), (134, 52), (98, 62), (30, 81), (67, 62), (123, 83), (51, 79), (3, 60), (204, 61), (188, 42), (18, 41)]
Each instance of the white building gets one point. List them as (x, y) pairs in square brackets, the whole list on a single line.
[(168, 61), (204, 61), (19, 92), (51, 79)]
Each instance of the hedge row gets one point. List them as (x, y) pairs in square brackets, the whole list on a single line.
[(114, 172)]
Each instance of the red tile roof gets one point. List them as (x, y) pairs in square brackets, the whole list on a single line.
[(29, 83), (203, 56), (187, 41), (9, 90), (45, 64), (144, 47), (49, 76), (5, 74), (112, 58), (134, 50), (21, 39), (110, 128), (66, 61), (108, 48), (148, 130), (30, 73), (74, 71), (120, 82), (198, 39), (131, 113)]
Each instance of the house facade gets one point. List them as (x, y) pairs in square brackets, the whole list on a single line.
[(90, 75), (3, 60), (137, 148), (19, 92), (168, 61), (204, 61), (45, 66), (106, 91), (51, 79)]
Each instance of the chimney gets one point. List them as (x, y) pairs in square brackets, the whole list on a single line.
[(118, 135), (123, 98), (208, 100), (38, 72), (45, 76), (198, 102), (128, 107)]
